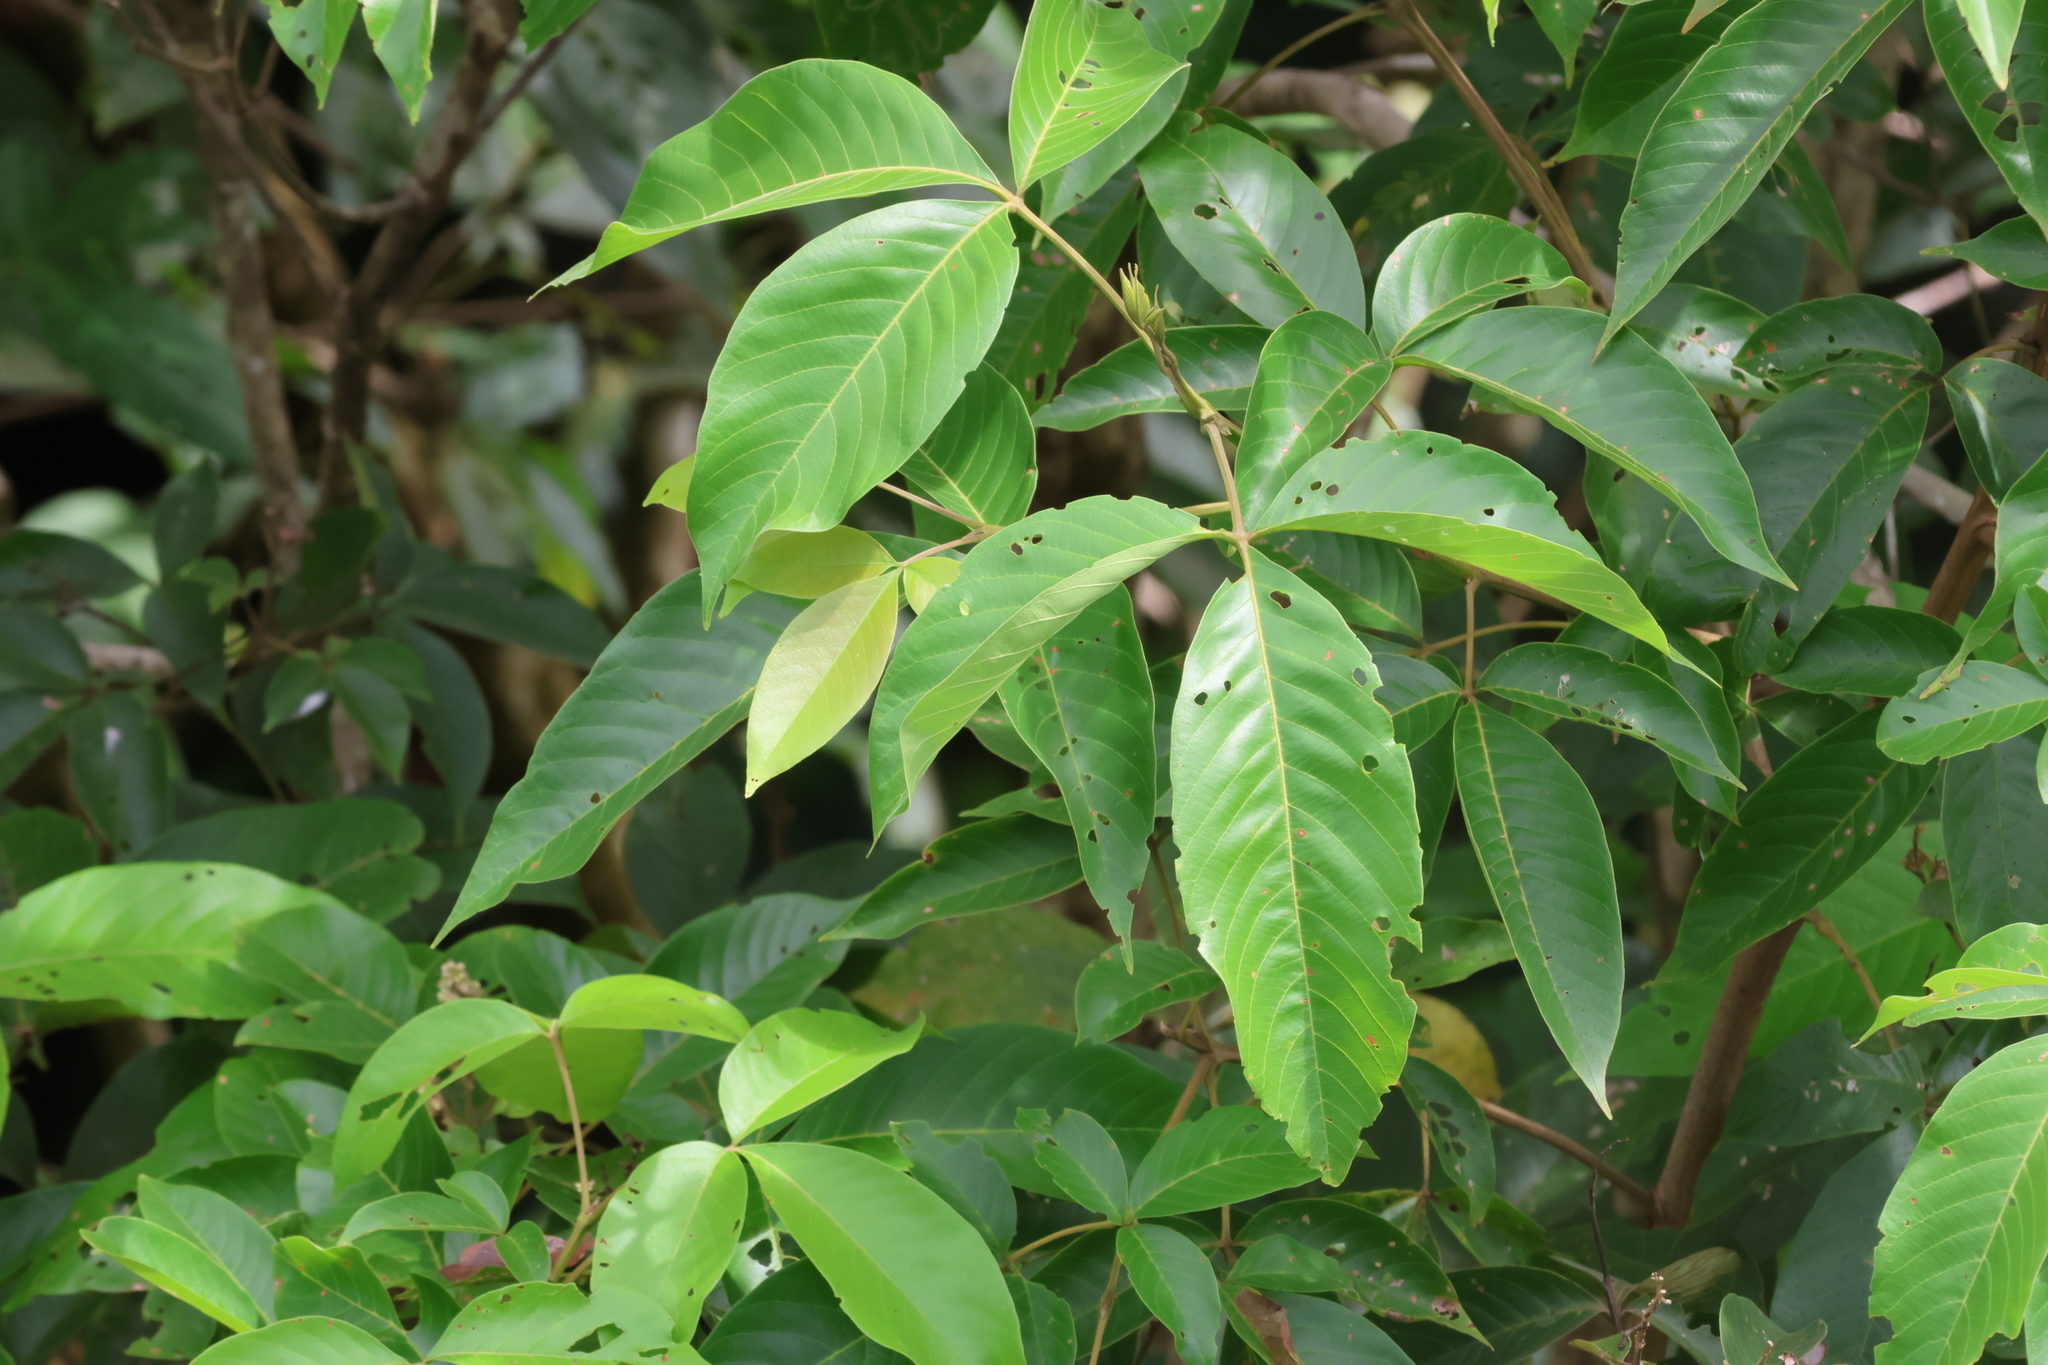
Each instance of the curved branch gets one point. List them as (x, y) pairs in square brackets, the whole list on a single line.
[(1360, 109), (1508, 1118)]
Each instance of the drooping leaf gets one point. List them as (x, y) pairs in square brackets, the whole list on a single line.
[(988, 865), (1701, 331), (1385, 1270), (979, 461), (2014, 136), (1015, 591), (1876, 651), (661, 694), (1543, 848), (819, 675), (1083, 702), (313, 34), (158, 937), (1316, 375), (497, 604), (2000, 413), (907, 1269), (1458, 1131), (1962, 1243), (1456, 502), (670, 1230), (1255, 226), (1825, 812), (1085, 69), (402, 32), (1173, 1278), (1991, 822), (791, 1059), (1218, 362), (1584, 684), (783, 140), (839, 365), (120, 767), (1987, 703), (1112, 996), (1731, 115), (1226, 1156), (1459, 264), (1295, 816), (1626, 403)]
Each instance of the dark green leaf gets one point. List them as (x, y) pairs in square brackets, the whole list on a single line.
[(1226, 1156), (2013, 134), (120, 768), (1859, 330), (1876, 651), (1112, 997), (498, 604), (687, 846), (793, 1318), (1396, 191), (1218, 362), (1053, 294), (1460, 264), (1316, 375), (1173, 1279), (1453, 947), (1700, 330), (358, 850), (2001, 413), (1584, 684), (1386, 1271), (904, 37), (1458, 1131), (988, 865), (1991, 821), (2013, 250), (1986, 704)]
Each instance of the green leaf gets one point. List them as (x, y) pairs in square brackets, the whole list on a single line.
[(1963, 1242), (906, 37), (1047, 1322), (839, 366), (537, 1323), (1386, 1271), (44, 566), (1083, 1160), (979, 461), (783, 140), (1520, 1309), (359, 850), (157, 937), (120, 767), (1583, 684), (1543, 848), (1255, 226), (1174, 1280), (1750, 1338), (1460, 264), (809, 564), (1112, 997), (793, 1058), (670, 1230), (301, 1341), (967, 1178), (419, 1212), (1875, 651), (793, 1316), (2000, 410), (1731, 116), (1455, 502), (988, 865), (1367, 581), (1325, 1333), (1993, 25), (336, 1283), (1316, 375), (1821, 335), (1053, 294), (1700, 331), (1085, 69), (1420, 694), (1458, 1131), (1218, 362), (2013, 250), (764, 956), (601, 1064), (350, 981), (819, 675), (1625, 402), (1453, 948), (1083, 702), (652, 1002), (2000, 117), (1986, 704), (402, 31), (1295, 815), (505, 605), (2003, 975), (313, 33), (907, 1269), (1226, 1156), (1015, 591), (1827, 810), (453, 717), (660, 694), (1565, 22), (430, 1051), (180, 1267), (1991, 823)]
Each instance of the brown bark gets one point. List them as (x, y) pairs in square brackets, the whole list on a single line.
[(1968, 554)]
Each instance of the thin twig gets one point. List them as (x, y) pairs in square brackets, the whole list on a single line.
[(1116, 1269), (583, 1186), (1280, 59), (1215, 435), (1203, 1065), (1438, 645), (1508, 1118), (1384, 416), (930, 506), (1021, 1252), (968, 539), (1828, 931), (1471, 631)]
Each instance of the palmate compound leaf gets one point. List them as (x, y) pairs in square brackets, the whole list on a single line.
[(819, 675), (1253, 224), (1300, 857), (1724, 127), (1625, 402), (1083, 702), (1543, 848), (158, 937), (839, 366), (671, 1228), (1085, 69), (1457, 502), (1460, 264), (908, 1270), (783, 140), (1804, 832), (1964, 1235), (1015, 590), (1316, 374), (661, 693)]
